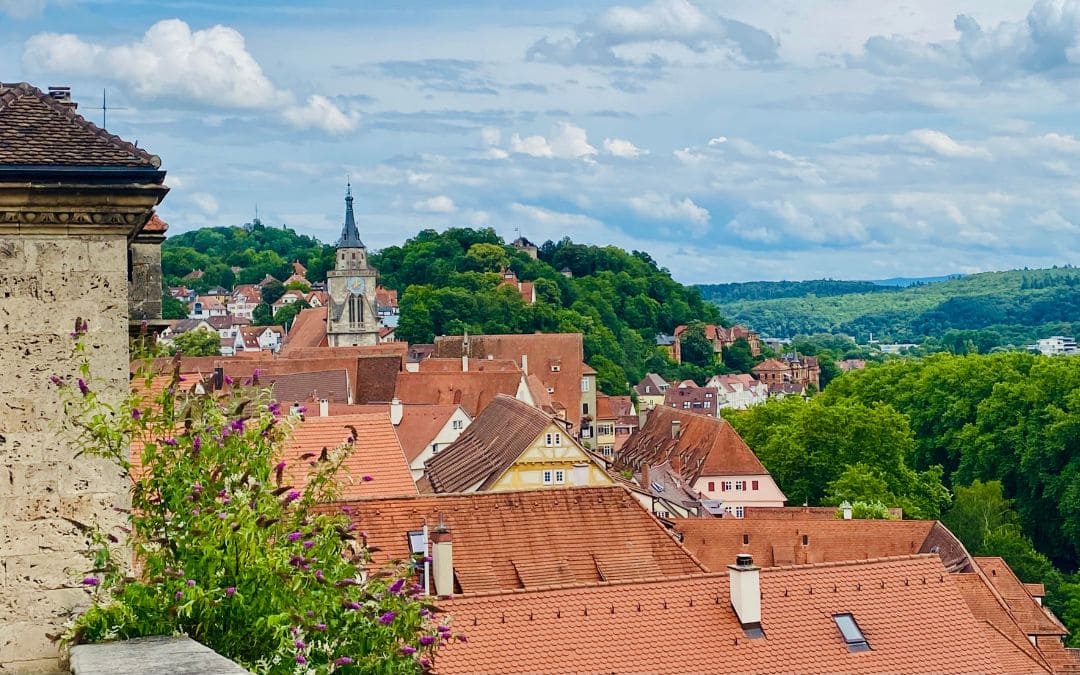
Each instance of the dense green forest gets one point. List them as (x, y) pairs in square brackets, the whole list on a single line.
[(1002, 431), (449, 282), (255, 250), (994, 308)]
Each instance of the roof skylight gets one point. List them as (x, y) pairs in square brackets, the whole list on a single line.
[(851, 632)]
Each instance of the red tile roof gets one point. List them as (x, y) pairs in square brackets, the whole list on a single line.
[(909, 609), (419, 425), (769, 365), (542, 351), (332, 385), (155, 225), (716, 541), (1033, 618), (1012, 646), (473, 390), (308, 330), (39, 130), (503, 540), (376, 453), (488, 447), (706, 446)]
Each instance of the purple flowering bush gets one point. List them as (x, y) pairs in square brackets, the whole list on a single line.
[(226, 550)]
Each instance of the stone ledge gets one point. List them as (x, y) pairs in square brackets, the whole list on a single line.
[(176, 655)]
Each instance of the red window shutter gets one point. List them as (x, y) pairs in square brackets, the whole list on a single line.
[(753, 485), (712, 486)]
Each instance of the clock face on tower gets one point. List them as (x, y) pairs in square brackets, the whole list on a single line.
[(355, 285)]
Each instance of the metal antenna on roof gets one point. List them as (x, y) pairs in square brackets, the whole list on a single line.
[(105, 108)]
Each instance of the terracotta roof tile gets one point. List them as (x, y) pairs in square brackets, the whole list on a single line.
[(332, 385), (716, 541), (155, 225), (37, 130), (1014, 649), (487, 448), (376, 453), (909, 610), (473, 390), (541, 350), (1033, 618), (706, 446), (308, 330), (502, 540), (419, 425)]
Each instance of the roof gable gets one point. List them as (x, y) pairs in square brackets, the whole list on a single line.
[(37, 129)]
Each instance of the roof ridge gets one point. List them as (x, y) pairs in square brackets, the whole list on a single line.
[(1041, 660), (68, 112)]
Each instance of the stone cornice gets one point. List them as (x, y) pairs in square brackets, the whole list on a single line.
[(76, 209)]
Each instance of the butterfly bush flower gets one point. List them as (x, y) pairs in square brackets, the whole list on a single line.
[(320, 627), (300, 659), (427, 639), (406, 650), (292, 496), (387, 618), (349, 604), (178, 595), (280, 466), (136, 414), (55, 379), (342, 661), (190, 583), (368, 478), (299, 644), (294, 536), (230, 591), (396, 587), (196, 444), (83, 388), (171, 442), (91, 581)]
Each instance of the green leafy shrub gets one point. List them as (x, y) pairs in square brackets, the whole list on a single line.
[(230, 553)]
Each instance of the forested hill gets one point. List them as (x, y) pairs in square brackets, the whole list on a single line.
[(449, 282), (991, 309)]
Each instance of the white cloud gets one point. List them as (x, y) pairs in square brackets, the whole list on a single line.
[(719, 140), (942, 144), (540, 215), (661, 21), (491, 136), (496, 153), (206, 202), (535, 146), (321, 113), (566, 142), (171, 62), (620, 147), (437, 204), (660, 207)]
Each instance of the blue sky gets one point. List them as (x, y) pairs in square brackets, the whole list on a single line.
[(734, 140)]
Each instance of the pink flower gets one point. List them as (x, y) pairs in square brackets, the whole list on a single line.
[(308, 544), (222, 515), (136, 413), (299, 644), (55, 379), (230, 591), (280, 466), (368, 478), (190, 583), (300, 659), (179, 594), (91, 581), (320, 627), (342, 661)]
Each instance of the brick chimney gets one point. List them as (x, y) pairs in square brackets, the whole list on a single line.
[(442, 560), (62, 95), (744, 578)]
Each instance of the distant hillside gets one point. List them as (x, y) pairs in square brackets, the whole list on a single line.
[(1017, 305), (770, 290), (913, 281)]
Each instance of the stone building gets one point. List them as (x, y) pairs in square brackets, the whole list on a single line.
[(75, 202), (352, 318)]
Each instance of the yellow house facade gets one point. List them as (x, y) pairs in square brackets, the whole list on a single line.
[(553, 459)]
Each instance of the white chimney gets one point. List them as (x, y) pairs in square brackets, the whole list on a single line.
[(744, 577), (442, 560), (847, 510), (324, 407), (397, 411), (464, 363), (525, 363), (676, 426)]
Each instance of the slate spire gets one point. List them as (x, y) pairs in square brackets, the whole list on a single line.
[(350, 236)]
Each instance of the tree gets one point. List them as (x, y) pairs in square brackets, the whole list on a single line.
[(262, 315), (978, 509), (171, 308), (272, 292), (197, 342), (298, 285), (695, 348), (738, 356), (287, 313), (487, 257)]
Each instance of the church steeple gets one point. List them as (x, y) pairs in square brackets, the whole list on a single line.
[(350, 236)]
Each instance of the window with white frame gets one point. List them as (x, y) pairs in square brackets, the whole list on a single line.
[(552, 439), (548, 477), (459, 424), (560, 477), (708, 404), (585, 386), (686, 405), (739, 512), (740, 485), (725, 486)]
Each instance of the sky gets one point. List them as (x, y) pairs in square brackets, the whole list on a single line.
[(733, 140)]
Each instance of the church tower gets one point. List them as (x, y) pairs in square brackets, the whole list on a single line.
[(351, 318)]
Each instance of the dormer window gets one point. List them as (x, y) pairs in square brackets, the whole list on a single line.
[(555, 367), (852, 634)]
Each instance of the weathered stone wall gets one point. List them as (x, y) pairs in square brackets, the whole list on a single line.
[(144, 291), (46, 282)]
